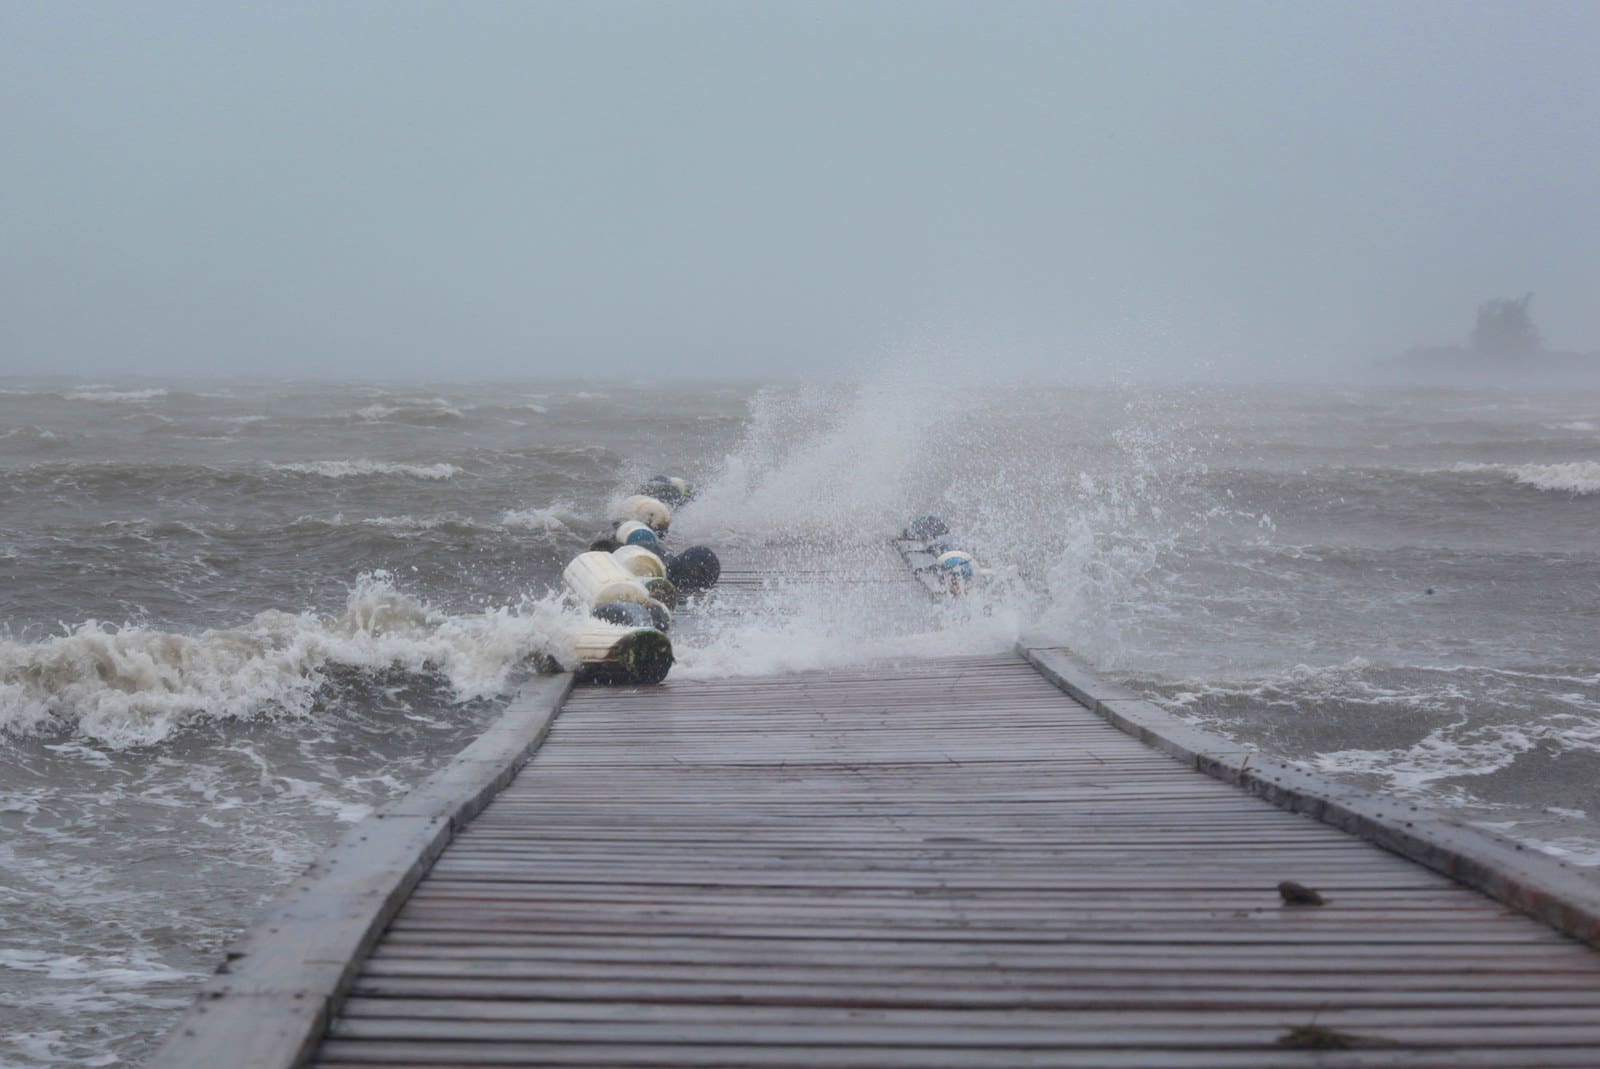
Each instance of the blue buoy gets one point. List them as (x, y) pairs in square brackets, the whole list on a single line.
[(644, 536)]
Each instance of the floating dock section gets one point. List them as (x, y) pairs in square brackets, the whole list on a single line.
[(989, 861)]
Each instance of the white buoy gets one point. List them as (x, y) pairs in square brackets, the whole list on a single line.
[(608, 653), (596, 578), (640, 562), (634, 533), (646, 510)]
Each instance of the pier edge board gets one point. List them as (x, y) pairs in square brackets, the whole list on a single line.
[(1534, 883), (269, 1003)]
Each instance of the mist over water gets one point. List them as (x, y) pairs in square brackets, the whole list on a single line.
[(236, 617)]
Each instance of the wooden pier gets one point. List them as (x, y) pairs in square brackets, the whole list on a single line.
[(948, 863)]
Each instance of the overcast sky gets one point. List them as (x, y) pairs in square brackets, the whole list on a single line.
[(523, 189)]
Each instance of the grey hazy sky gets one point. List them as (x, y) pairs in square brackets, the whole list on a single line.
[(463, 190)]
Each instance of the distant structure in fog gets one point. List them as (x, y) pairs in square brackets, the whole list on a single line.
[(1505, 349), (1504, 328)]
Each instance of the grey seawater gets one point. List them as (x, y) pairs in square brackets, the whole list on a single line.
[(235, 617)]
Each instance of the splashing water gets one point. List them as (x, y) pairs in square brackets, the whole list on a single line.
[(132, 686)]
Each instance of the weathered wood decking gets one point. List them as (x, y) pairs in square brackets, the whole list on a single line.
[(940, 863), (943, 864)]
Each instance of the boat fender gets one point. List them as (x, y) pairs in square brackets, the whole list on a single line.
[(649, 511), (660, 615), (663, 591), (609, 654), (595, 578), (695, 570), (623, 613), (634, 533), (663, 489), (641, 562)]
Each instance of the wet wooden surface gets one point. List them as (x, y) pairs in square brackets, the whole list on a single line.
[(947, 863)]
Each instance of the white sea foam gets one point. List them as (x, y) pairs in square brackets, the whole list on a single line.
[(1577, 477), (132, 686), (560, 516), (434, 410), (419, 523), (349, 469), (111, 395)]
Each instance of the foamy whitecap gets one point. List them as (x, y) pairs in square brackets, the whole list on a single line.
[(560, 516), (348, 469), (1463, 749), (449, 520), (1577, 477), (132, 686), (423, 413), (111, 395)]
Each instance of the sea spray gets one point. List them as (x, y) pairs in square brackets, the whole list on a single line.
[(1079, 527)]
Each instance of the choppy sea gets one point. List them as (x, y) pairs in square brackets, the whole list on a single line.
[(237, 616)]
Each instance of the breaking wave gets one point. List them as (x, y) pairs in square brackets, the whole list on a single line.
[(1577, 477), (417, 414), (131, 686), (111, 395), (350, 469)]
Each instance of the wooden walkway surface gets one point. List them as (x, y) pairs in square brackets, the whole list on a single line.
[(939, 864)]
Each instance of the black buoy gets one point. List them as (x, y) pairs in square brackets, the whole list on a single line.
[(626, 613), (639, 657), (926, 527), (662, 590), (663, 490), (694, 571), (660, 616)]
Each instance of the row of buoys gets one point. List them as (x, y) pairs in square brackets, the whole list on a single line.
[(630, 584), (957, 567)]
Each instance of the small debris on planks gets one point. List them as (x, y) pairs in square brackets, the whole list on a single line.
[(1316, 1037), (1295, 894)]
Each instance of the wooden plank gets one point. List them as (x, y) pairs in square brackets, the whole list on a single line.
[(804, 1016), (1194, 997), (952, 1033), (345, 1054)]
